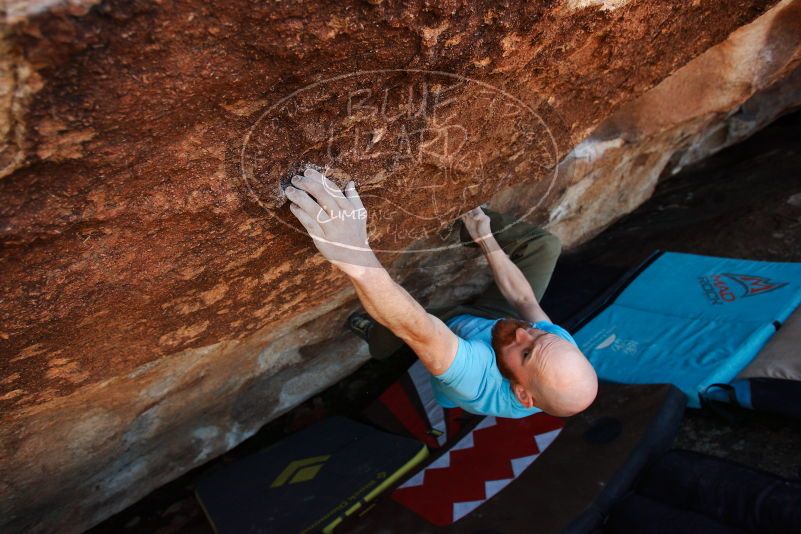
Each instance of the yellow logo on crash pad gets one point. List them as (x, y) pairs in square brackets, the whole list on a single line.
[(300, 471)]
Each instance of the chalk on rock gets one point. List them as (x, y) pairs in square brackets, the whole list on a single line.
[(280, 196)]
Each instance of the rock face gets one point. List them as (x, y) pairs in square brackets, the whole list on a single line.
[(158, 303), (716, 100)]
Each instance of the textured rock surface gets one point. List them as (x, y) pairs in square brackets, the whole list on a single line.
[(716, 100), (156, 306)]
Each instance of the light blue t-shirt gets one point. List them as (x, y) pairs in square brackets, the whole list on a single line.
[(473, 381)]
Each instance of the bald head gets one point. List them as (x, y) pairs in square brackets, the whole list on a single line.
[(545, 370), (562, 381)]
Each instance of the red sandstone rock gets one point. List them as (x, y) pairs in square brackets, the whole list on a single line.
[(157, 304), (716, 100)]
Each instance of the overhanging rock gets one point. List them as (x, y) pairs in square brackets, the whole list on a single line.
[(158, 305)]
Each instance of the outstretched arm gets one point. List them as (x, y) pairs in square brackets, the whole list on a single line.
[(511, 282), (337, 222)]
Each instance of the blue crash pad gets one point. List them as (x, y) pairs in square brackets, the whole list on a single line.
[(691, 321)]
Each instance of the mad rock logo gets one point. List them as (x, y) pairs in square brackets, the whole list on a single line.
[(729, 287)]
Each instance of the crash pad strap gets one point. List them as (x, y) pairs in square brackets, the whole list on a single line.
[(387, 483)]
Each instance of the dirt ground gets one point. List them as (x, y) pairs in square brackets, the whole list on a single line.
[(744, 202)]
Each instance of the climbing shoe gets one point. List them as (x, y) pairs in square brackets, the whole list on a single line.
[(360, 323)]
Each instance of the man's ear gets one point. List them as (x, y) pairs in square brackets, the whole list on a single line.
[(525, 398), (522, 336)]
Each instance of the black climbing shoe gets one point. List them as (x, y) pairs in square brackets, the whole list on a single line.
[(360, 323)]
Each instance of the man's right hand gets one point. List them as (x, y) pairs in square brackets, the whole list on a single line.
[(478, 224)]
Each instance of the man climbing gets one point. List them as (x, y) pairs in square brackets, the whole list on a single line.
[(499, 355)]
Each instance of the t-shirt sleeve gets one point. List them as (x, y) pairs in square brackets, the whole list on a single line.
[(465, 378)]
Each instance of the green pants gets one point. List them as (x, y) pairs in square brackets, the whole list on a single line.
[(532, 249)]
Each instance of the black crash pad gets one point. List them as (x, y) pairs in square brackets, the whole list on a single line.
[(309, 481), (571, 485)]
